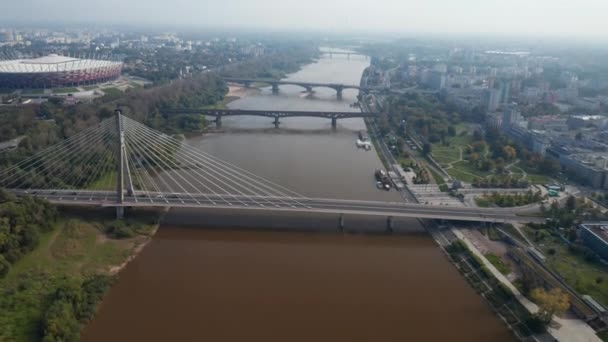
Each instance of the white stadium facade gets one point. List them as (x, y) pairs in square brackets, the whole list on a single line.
[(56, 71)]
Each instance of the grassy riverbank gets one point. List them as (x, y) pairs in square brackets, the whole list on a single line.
[(53, 290)]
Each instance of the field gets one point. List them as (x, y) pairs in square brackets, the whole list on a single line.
[(33, 91), (500, 265), (585, 277), (107, 182), (112, 91), (65, 90), (450, 154), (77, 247)]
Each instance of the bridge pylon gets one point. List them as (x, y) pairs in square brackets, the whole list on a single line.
[(123, 171)]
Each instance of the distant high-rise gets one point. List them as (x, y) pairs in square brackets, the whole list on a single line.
[(491, 99), (511, 116), (437, 80)]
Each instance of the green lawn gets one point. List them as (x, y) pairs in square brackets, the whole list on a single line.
[(482, 202), (90, 87), (532, 176), (76, 248), (446, 155), (461, 175), (463, 171), (112, 91), (538, 178), (577, 272), (107, 182), (497, 261), (33, 91), (65, 90)]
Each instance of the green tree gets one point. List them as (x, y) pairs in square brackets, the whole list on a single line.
[(5, 266), (60, 324), (427, 148), (554, 302), (571, 203), (451, 130)]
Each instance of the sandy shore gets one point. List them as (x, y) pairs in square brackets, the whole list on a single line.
[(239, 91)]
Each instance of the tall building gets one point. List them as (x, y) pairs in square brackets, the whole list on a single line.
[(491, 99), (437, 80), (511, 116), (505, 92)]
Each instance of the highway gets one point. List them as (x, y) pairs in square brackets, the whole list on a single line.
[(318, 205)]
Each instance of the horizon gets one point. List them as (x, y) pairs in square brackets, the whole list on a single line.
[(543, 19)]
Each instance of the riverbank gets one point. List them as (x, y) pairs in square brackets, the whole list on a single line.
[(82, 247)]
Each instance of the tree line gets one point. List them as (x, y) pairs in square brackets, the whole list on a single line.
[(21, 224)]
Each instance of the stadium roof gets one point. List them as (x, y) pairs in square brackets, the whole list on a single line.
[(52, 63)]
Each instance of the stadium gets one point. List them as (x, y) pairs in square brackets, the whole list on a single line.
[(56, 71)]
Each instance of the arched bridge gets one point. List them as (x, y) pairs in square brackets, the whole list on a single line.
[(276, 114), (247, 82), (122, 163)]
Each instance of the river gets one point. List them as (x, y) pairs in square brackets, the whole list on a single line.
[(206, 283)]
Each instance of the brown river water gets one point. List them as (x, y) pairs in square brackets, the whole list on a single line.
[(197, 280)]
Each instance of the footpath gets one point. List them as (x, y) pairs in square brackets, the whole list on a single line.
[(570, 330)]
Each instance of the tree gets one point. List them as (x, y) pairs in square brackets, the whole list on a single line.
[(554, 302), (549, 166), (451, 131), (571, 203), (479, 146), (509, 152), (427, 148), (5, 266), (60, 324)]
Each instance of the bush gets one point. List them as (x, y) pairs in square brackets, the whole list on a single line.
[(5, 266), (120, 230), (60, 324), (72, 304), (535, 324)]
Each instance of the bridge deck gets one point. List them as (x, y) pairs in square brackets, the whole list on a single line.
[(273, 113), (319, 205)]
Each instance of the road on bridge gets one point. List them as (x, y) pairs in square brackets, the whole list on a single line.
[(275, 203)]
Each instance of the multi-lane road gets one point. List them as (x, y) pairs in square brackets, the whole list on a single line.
[(318, 205)]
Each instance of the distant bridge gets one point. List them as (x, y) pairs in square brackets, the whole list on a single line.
[(343, 53), (338, 87), (276, 114)]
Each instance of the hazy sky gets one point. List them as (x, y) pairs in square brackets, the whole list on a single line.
[(538, 17)]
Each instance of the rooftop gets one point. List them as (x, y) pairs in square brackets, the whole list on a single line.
[(599, 230), (52, 63)]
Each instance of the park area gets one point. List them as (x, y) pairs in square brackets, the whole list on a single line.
[(452, 156)]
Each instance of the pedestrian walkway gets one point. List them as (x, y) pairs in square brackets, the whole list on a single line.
[(570, 330)]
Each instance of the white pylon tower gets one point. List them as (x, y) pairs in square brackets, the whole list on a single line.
[(124, 174)]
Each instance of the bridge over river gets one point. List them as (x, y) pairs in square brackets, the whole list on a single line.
[(308, 86), (276, 114), (121, 163)]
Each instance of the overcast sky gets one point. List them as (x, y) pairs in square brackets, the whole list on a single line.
[(537, 17)]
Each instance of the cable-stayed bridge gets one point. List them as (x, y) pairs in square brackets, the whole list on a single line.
[(122, 163)]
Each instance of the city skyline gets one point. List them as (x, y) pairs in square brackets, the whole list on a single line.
[(582, 19)]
